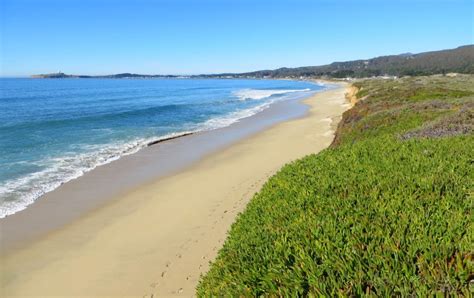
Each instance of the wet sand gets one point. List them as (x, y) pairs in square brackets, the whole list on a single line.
[(156, 232), (105, 183)]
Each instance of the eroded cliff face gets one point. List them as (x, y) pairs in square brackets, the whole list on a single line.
[(351, 95)]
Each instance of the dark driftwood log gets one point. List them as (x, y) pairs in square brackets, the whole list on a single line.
[(170, 138)]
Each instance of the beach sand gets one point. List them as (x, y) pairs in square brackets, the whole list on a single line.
[(159, 238)]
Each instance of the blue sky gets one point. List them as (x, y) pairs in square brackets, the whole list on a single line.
[(191, 37)]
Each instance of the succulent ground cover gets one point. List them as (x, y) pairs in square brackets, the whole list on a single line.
[(386, 210)]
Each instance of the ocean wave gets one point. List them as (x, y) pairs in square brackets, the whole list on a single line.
[(17, 194), (258, 94), (100, 116), (20, 193), (231, 118)]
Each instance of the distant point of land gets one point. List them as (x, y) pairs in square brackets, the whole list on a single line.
[(458, 60)]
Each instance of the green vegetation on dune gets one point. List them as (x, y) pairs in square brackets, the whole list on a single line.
[(386, 210)]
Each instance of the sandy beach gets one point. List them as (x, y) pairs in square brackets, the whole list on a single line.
[(158, 238)]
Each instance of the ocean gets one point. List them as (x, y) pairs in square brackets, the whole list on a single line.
[(55, 130)]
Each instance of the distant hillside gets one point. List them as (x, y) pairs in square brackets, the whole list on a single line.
[(58, 75), (460, 60), (61, 75)]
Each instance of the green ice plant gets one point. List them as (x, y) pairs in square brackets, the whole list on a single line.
[(379, 213)]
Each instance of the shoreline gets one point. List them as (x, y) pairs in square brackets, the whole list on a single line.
[(29, 195), (160, 236), (106, 182)]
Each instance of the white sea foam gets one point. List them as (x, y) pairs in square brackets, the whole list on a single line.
[(17, 194), (20, 193), (232, 118), (257, 94)]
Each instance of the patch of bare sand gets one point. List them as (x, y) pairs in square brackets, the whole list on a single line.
[(159, 238)]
